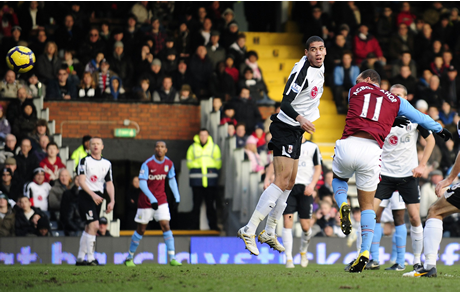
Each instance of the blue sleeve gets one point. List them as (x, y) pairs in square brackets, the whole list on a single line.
[(144, 172), (172, 172), (145, 189), (407, 110), (174, 189)]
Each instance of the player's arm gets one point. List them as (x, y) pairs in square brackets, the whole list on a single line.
[(430, 143), (316, 174), (143, 177), (173, 184), (110, 190), (450, 178), (407, 110)]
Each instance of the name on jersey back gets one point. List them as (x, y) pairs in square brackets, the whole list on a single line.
[(390, 96)]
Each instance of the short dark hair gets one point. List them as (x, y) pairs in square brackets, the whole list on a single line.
[(51, 144), (311, 40), (372, 74), (204, 130)]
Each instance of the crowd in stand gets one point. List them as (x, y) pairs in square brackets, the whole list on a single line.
[(182, 52)]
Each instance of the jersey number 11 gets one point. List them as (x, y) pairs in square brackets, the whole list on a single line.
[(378, 106)]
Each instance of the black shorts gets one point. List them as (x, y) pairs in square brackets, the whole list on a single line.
[(297, 201), (286, 139), (406, 186), (453, 195), (89, 211)]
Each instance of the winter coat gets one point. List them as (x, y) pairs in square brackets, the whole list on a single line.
[(246, 112), (47, 70), (339, 74), (24, 227), (162, 96), (69, 214), (204, 163), (201, 71), (78, 154), (361, 48), (7, 223), (52, 170), (5, 127), (110, 92), (122, 66), (26, 165), (55, 196), (221, 85), (23, 124), (54, 90)]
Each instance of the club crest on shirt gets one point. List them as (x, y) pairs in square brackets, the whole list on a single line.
[(393, 140), (93, 178), (290, 149), (40, 198), (166, 168), (314, 92)]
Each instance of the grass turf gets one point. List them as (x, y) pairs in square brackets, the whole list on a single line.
[(154, 277)]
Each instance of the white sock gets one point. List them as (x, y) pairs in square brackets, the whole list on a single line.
[(267, 202), (83, 247), (305, 240), (287, 242), (359, 239), (431, 239), (91, 241), (416, 234), (275, 214)]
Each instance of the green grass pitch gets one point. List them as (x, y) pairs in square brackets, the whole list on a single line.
[(154, 277)]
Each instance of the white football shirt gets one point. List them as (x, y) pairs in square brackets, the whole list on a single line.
[(309, 158), (97, 172)]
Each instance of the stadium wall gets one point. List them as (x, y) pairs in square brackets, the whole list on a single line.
[(194, 250)]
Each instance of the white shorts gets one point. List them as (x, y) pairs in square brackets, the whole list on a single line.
[(144, 216), (359, 156), (396, 202)]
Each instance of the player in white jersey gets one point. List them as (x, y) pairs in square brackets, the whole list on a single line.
[(301, 200), (400, 172), (93, 172), (299, 108)]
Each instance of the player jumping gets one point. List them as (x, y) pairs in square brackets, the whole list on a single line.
[(152, 202)]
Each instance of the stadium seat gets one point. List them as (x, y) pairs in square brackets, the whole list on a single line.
[(57, 233)]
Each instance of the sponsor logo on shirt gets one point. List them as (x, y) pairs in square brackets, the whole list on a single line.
[(157, 177), (314, 92), (295, 87)]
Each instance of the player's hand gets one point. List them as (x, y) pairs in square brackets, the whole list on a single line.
[(97, 199), (445, 134), (401, 122), (155, 206), (306, 125), (441, 185), (308, 190), (418, 171), (110, 207)]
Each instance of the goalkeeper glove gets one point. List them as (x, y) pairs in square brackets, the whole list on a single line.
[(401, 122), (155, 206)]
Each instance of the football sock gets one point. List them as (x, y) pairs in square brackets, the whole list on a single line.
[(416, 235), (287, 242), (275, 214), (169, 240), (340, 188), (305, 240), (394, 250), (82, 249), (267, 202), (431, 239), (367, 229), (376, 242), (91, 244), (359, 239), (135, 239), (401, 237)]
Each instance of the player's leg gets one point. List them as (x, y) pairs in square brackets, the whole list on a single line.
[(91, 230), (305, 214), (400, 237), (287, 238), (374, 264), (142, 218), (89, 212), (169, 241)]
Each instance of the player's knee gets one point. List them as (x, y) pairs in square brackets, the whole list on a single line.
[(433, 212)]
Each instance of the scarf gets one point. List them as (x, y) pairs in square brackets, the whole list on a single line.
[(255, 69), (102, 86)]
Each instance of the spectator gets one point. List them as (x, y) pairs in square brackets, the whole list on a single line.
[(437, 67), (344, 77), (5, 186), (9, 86), (103, 76), (5, 127), (422, 42), (316, 23), (105, 32), (181, 76), (449, 85), (230, 35), (103, 222), (429, 56), (228, 116), (87, 88), (68, 36), (25, 123), (184, 43), (433, 94), (228, 16), (61, 185), (246, 111), (17, 183), (35, 87), (350, 15), (334, 54), (230, 68), (405, 78), (9, 19), (423, 82), (7, 217), (115, 91), (257, 88), (155, 75), (38, 190), (201, 70), (40, 153), (69, 214), (91, 46), (217, 105), (386, 25), (13, 40), (94, 64), (221, 84), (142, 12), (32, 18), (26, 160), (427, 193), (26, 217), (9, 150), (259, 134), (82, 151), (422, 106), (158, 36), (186, 95), (365, 43), (41, 129), (344, 30), (143, 91), (131, 35), (251, 62), (238, 49), (167, 93), (326, 188), (202, 37), (406, 16), (121, 64), (444, 30), (52, 163), (200, 18), (49, 63), (72, 65), (38, 45), (216, 53), (325, 218), (170, 62), (405, 60), (204, 162), (43, 227), (250, 149), (169, 45), (241, 136), (62, 87)]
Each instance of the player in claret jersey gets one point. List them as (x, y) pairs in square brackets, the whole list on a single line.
[(152, 202), (371, 114)]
